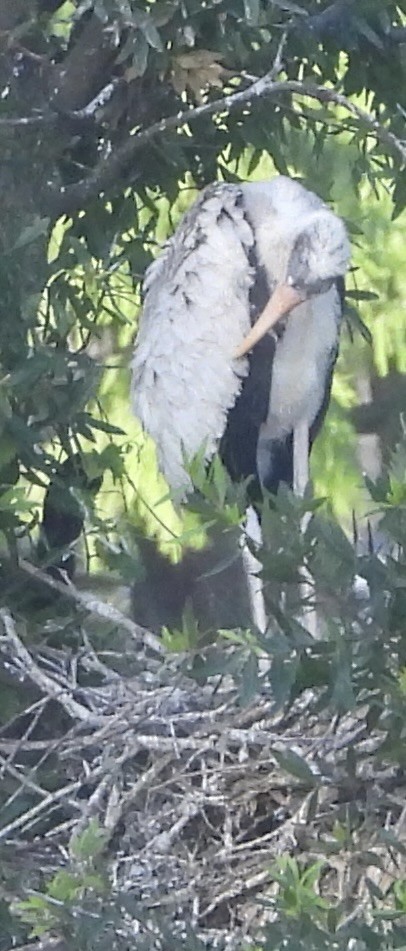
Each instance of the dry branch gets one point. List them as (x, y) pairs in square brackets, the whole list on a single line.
[(110, 169), (26, 666), (101, 609)]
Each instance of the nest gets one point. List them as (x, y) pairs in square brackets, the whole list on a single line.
[(196, 794)]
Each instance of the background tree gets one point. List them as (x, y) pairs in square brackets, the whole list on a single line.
[(112, 114)]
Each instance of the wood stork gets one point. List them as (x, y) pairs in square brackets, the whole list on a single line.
[(235, 352), (239, 332)]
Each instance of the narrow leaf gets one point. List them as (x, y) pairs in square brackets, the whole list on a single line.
[(252, 10), (290, 7), (38, 228), (362, 295), (151, 34), (296, 766)]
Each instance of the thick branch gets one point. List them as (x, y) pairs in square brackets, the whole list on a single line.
[(110, 170), (85, 68)]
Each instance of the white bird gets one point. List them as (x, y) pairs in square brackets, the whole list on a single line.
[(239, 332)]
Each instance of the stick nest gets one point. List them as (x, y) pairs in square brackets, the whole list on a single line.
[(197, 795)]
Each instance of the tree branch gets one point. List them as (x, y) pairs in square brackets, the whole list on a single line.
[(50, 118), (99, 608), (85, 68), (36, 119), (110, 169), (27, 666)]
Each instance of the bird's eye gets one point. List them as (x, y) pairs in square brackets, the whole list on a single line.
[(320, 286)]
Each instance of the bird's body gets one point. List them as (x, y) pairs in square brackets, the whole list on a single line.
[(236, 246)]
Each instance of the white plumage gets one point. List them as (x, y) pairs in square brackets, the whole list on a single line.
[(195, 314), (200, 302)]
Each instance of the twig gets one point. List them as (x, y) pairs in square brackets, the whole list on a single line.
[(50, 117), (105, 94), (47, 944), (110, 168), (36, 119), (14, 44), (115, 814), (27, 664), (37, 810), (13, 747), (93, 606), (163, 842), (277, 63), (24, 781)]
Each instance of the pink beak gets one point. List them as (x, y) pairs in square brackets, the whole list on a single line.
[(283, 300)]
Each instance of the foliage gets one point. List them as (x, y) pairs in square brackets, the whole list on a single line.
[(302, 739), (44, 912), (288, 751), (86, 291)]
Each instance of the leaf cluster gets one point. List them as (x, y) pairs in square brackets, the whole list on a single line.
[(82, 215)]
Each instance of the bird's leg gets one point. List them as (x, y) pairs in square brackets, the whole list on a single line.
[(300, 459), (252, 568), (300, 480)]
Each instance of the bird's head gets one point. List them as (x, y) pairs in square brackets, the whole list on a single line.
[(319, 254)]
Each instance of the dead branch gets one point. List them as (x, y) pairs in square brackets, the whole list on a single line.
[(25, 663), (93, 606)]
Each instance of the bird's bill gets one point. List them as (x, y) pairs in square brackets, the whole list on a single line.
[(283, 300)]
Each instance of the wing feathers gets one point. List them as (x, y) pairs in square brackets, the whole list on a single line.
[(196, 311)]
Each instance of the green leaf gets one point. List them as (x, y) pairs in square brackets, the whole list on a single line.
[(151, 34), (125, 563), (294, 764), (290, 7), (342, 695), (102, 425), (90, 843), (399, 196), (64, 886), (15, 497), (333, 538), (361, 295), (139, 57), (37, 229), (249, 680), (111, 458), (366, 30), (282, 677), (252, 11), (379, 489)]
